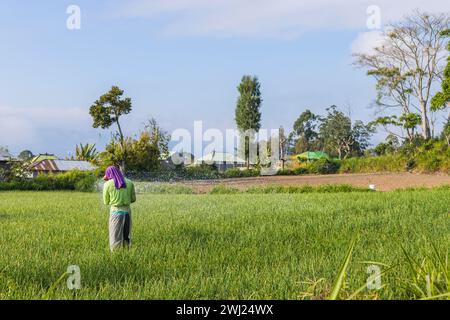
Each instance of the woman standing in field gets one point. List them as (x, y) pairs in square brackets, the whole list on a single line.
[(119, 194)]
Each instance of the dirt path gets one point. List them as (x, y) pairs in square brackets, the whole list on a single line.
[(382, 181)]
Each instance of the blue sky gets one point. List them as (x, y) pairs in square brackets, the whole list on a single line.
[(179, 61)]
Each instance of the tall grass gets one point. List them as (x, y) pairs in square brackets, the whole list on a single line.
[(239, 246)]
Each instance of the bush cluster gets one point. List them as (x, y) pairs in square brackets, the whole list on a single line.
[(72, 180), (238, 173), (321, 166), (429, 157)]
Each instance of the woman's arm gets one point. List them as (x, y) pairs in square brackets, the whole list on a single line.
[(133, 193), (106, 194)]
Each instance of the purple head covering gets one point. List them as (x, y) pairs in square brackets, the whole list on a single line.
[(115, 174)]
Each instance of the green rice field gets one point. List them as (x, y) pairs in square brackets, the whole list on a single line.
[(228, 246)]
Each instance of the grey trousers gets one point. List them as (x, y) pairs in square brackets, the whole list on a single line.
[(119, 230)]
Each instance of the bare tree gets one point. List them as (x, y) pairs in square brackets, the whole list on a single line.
[(408, 65)]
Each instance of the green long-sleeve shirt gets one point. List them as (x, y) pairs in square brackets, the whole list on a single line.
[(119, 200)]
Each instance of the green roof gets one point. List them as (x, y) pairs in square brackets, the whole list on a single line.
[(42, 157), (312, 155)]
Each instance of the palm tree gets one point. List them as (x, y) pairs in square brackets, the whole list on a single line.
[(86, 152)]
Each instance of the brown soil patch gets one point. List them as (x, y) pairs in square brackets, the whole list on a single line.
[(382, 181)]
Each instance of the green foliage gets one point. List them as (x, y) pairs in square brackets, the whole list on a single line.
[(446, 132), (71, 180), (391, 146), (320, 166), (387, 163), (293, 172), (429, 275), (342, 138), (305, 135), (238, 173), (18, 170), (86, 184), (286, 172), (268, 229), (433, 156), (419, 156), (323, 166), (247, 113), (107, 111), (408, 121), (442, 98), (86, 152), (201, 172), (335, 134), (25, 155), (340, 279), (158, 137), (142, 154)]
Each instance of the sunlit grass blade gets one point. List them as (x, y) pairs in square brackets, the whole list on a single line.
[(54, 285), (337, 286), (443, 295), (383, 273)]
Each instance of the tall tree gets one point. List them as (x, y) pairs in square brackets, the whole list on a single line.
[(247, 114), (107, 111), (305, 134), (442, 99), (25, 155), (158, 136), (342, 138), (408, 64), (282, 140)]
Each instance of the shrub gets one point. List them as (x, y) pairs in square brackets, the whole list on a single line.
[(202, 172), (72, 180), (433, 157), (221, 189), (323, 166), (301, 170), (238, 173), (387, 163), (286, 172), (86, 184), (293, 172)]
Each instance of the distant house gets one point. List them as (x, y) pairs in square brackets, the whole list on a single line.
[(177, 158), (5, 158), (59, 166), (222, 161)]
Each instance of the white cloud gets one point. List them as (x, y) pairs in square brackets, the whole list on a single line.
[(24, 127), (15, 130), (267, 18), (366, 42)]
